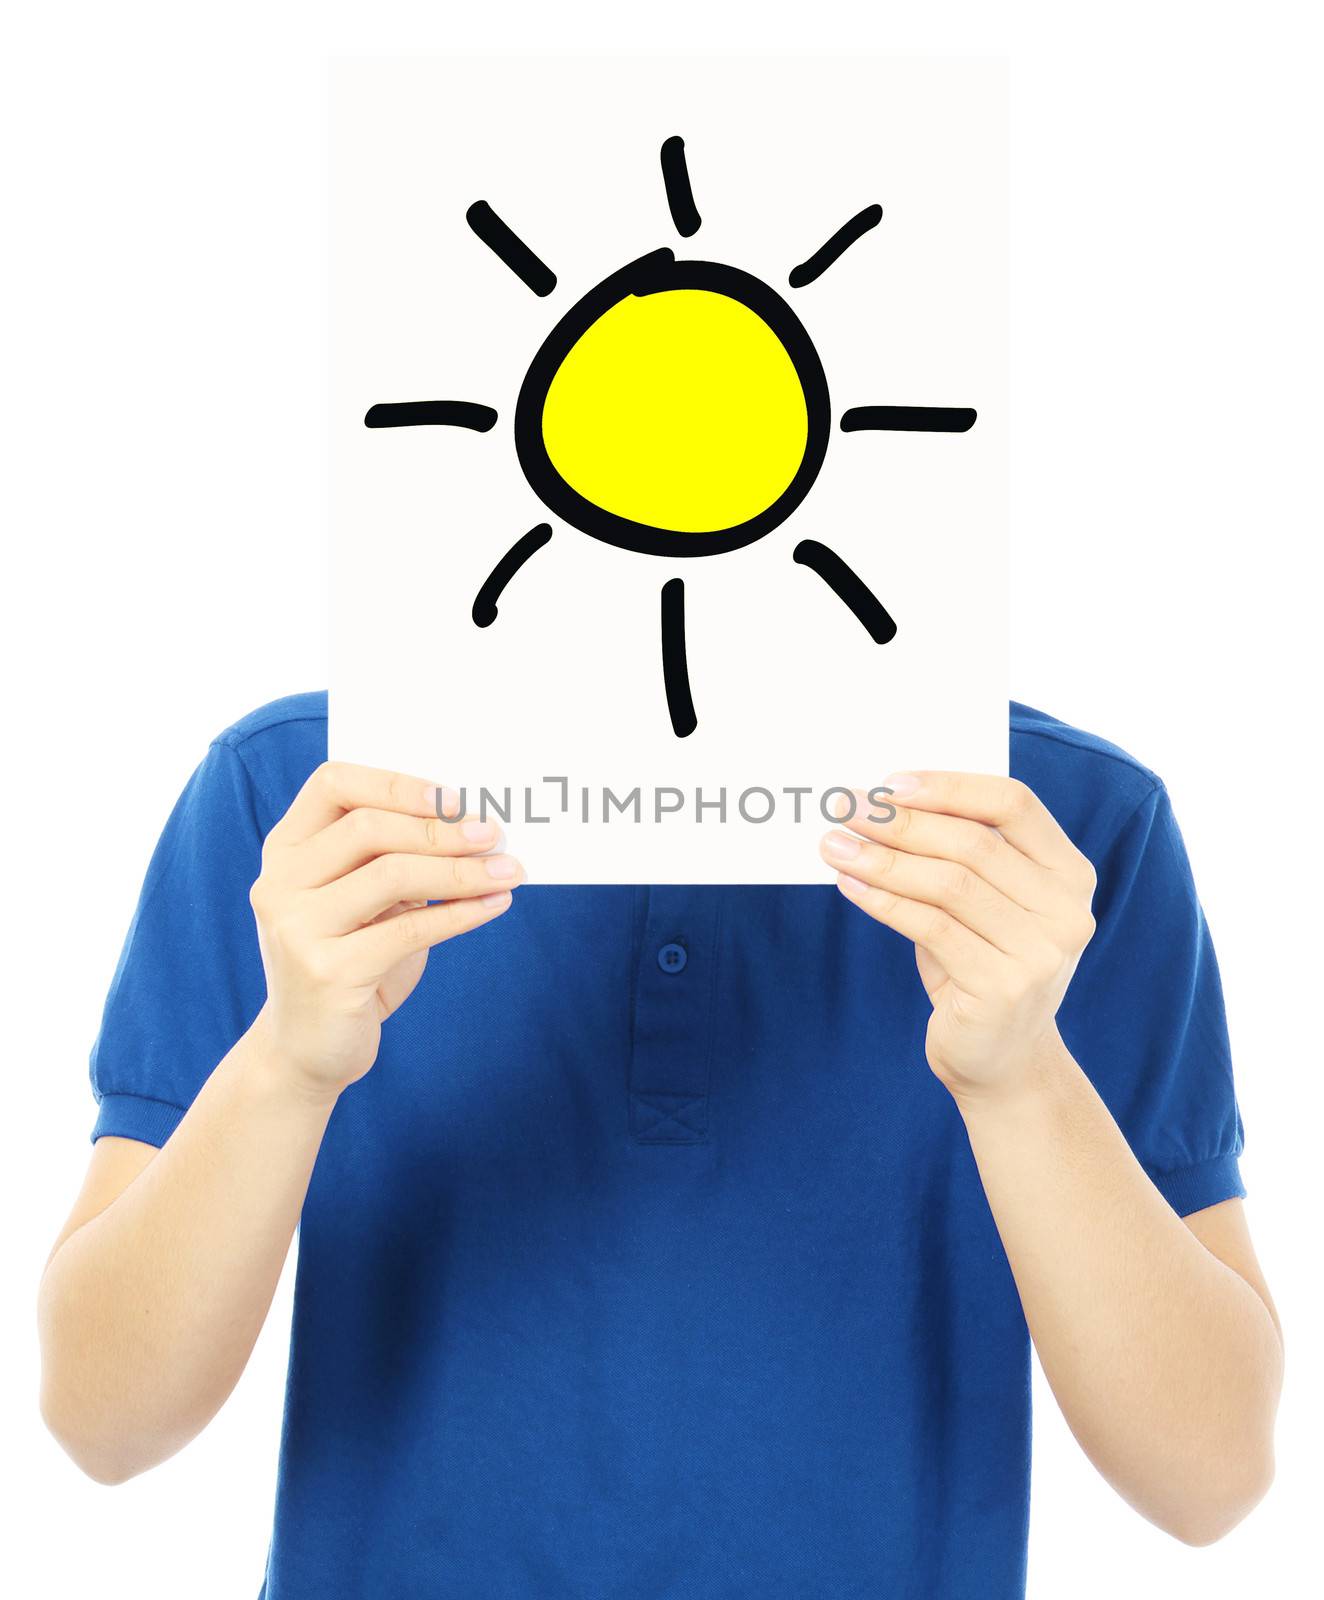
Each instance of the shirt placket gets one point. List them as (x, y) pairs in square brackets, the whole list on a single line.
[(674, 991)]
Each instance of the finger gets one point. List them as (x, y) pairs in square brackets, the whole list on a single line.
[(971, 961), (365, 833), (362, 895), (973, 844), (337, 787), (945, 884), (376, 949), (1006, 804), (397, 908)]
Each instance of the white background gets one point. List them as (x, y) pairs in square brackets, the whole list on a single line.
[(568, 680), (164, 387)]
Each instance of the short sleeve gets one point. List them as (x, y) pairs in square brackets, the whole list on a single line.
[(1145, 1018), (189, 980)]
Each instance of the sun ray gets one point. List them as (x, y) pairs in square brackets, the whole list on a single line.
[(431, 414), (848, 587), (908, 419), (509, 248), (836, 246), (675, 662), (485, 601), (680, 197)]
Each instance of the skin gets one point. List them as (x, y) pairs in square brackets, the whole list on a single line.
[(160, 1281), (1156, 1333)]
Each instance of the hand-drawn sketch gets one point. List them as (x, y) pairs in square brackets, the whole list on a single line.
[(679, 408), (596, 316)]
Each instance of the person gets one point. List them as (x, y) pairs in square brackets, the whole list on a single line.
[(669, 1241)]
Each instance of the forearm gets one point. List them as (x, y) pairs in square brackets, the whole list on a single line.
[(149, 1311), (152, 1300), (1166, 1362)]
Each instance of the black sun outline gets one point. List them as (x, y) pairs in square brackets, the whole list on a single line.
[(655, 273)]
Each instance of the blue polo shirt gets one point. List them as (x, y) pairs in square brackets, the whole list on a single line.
[(650, 1259)]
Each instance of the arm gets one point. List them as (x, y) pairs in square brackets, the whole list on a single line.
[(1165, 1359), (1157, 1336), (158, 1286)]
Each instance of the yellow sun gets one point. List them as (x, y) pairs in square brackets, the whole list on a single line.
[(679, 408)]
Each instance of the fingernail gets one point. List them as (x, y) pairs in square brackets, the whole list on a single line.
[(477, 831), (841, 845), (849, 885), (498, 902), (501, 866), (901, 783), (444, 801)]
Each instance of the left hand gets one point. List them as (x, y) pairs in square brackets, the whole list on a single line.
[(996, 899)]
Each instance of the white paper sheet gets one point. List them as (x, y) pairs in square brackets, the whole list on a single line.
[(558, 708)]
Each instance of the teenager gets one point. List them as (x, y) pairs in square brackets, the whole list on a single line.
[(677, 1242)]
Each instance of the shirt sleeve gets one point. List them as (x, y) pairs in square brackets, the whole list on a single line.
[(189, 980), (1145, 1018)]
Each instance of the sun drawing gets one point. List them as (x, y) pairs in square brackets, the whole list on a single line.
[(678, 409)]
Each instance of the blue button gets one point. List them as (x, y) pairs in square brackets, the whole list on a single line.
[(672, 957)]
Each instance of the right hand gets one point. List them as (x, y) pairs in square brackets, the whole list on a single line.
[(343, 918)]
